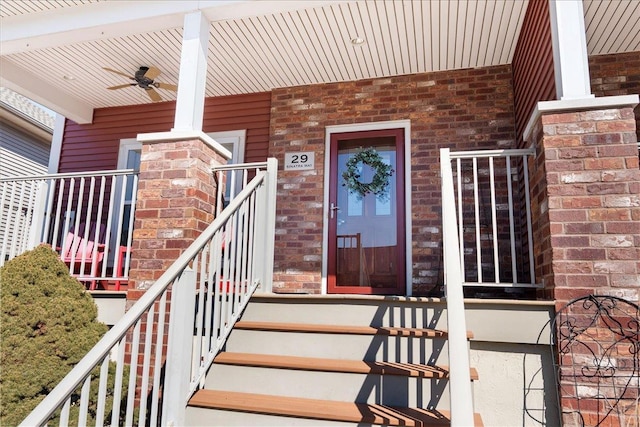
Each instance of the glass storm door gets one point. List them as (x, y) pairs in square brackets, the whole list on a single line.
[(366, 245)]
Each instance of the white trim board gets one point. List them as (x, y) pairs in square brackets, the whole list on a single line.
[(569, 105)]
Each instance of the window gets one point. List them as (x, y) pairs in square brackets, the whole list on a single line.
[(234, 141), (128, 158)]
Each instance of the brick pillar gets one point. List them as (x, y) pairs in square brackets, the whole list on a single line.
[(588, 231), (586, 204), (176, 202)]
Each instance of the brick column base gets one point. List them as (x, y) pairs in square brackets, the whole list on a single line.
[(586, 204), (591, 209), (176, 202)]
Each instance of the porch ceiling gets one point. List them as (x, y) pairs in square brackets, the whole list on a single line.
[(54, 51)]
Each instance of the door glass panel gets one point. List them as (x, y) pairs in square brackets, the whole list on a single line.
[(367, 224)]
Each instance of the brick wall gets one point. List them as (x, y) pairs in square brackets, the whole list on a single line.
[(587, 213), (588, 162), (617, 74), (176, 202), (462, 109)]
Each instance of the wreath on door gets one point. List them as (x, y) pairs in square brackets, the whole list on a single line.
[(379, 183)]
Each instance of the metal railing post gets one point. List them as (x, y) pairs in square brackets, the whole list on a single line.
[(270, 222), (459, 377), (259, 260), (179, 349), (37, 224)]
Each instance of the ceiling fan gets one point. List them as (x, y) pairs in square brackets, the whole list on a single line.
[(144, 78)]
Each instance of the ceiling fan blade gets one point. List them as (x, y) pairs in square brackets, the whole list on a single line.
[(166, 86), (117, 72), (152, 73), (121, 86), (155, 96)]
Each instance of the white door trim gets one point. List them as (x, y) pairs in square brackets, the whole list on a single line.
[(357, 127)]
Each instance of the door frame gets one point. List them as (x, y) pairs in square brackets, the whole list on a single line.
[(358, 127)]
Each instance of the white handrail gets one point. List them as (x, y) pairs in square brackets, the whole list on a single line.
[(459, 376), (492, 153), (115, 172), (200, 252)]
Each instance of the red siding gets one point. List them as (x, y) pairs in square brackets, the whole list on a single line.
[(533, 75), (251, 112), (95, 146)]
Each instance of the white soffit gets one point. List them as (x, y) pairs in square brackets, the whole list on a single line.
[(256, 46)]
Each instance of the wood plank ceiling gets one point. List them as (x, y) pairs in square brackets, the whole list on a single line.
[(310, 45)]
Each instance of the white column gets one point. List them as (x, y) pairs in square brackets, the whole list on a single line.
[(39, 211), (570, 57), (56, 143), (193, 73)]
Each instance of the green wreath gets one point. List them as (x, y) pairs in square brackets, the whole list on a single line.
[(380, 181)]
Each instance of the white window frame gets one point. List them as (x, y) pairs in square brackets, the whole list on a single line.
[(237, 138), (126, 145)]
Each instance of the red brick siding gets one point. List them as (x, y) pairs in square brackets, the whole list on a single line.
[(462, 109), (617, 74), (172, 209), (588, 226)]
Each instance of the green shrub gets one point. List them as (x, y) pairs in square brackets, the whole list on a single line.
[(48, 324)]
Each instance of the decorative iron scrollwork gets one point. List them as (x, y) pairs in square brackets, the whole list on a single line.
[(598, 361)]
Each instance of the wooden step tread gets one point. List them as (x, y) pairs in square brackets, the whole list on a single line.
[(320, 409), (335, 365), (343, 329)]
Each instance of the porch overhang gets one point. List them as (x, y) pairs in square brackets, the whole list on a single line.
[(54, 53)]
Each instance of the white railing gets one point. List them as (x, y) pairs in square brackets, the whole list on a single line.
[(209, 285), (493, 212), (459, 376), (67, 211)]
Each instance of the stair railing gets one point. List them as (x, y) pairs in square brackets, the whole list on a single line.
[(461, 397), (123, 379)]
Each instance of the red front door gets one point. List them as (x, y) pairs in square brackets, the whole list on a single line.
[(366, 245)]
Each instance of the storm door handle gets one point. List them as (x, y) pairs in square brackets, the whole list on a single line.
[(332, 209)]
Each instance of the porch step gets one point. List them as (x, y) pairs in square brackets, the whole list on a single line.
[(352, 342), (408, 312), (326, 410), (330, 362), (335, 365), (344, 329)]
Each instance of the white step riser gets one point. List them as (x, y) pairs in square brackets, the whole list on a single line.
[(389, 390), (202, 417), (337, 346), (408, 315)]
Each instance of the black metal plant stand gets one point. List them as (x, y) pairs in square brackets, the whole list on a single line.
[(598, 361)]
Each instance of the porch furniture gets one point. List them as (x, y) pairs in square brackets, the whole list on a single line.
[(80, 250)]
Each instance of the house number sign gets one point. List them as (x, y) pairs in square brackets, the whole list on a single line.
[(299, 161)]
